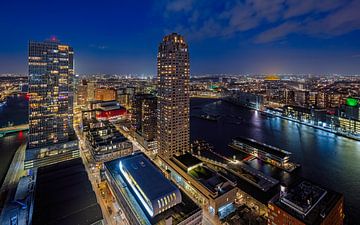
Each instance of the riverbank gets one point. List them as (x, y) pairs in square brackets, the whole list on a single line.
[(356, 138), (267, 112), (324, 157)]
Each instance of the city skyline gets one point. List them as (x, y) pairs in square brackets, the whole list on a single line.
[(236, 37), (180, 112)]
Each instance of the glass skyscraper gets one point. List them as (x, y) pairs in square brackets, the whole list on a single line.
[(51, 75)]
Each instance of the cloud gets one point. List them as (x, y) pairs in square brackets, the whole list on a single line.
[(100, 47), (277, 33), (179, 5), (264, 20)]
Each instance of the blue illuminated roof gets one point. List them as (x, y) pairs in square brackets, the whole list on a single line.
[(153, 184), (147, 176)]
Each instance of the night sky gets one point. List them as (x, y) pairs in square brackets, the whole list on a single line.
[(249, 36)]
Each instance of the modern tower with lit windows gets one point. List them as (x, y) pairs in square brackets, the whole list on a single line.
[(173, 77), (51, 74)]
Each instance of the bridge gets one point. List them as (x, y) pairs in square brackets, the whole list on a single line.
[(13, 129)]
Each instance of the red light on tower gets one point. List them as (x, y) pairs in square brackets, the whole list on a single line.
[(53, 38)]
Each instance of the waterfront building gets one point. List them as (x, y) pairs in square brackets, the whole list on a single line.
[(346, 125), (51, 74), (321, 100), (289, 96), (351, 109), (301, 97), (245, 99), (173, 77), (267, 153), (305, 203), (105, 141), (333, 100), (146, 196), (300, 113), (213, 190)]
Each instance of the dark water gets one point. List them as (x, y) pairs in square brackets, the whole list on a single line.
[(325, 158), (15, 111)]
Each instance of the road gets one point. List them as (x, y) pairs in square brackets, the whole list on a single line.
[(16, 170), (16, 128), (110, 210)]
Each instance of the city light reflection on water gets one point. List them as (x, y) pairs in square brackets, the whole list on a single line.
[(325, 158)]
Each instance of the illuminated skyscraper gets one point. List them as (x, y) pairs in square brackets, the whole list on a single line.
[(51, 74), (173, 77)]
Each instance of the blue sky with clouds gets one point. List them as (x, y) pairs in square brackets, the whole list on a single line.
[(248, 36)]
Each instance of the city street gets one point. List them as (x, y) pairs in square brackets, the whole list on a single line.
[(111, 212), (16, 171)]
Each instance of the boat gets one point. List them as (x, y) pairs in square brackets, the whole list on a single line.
[(2, 103), (209, 117)]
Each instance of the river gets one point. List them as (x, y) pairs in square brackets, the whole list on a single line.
[(15, 111), (328, 159), (325, 158)]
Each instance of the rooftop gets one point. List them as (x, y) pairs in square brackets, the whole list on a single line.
[(147, 176), (303, 197), (308, 202), (64, 195), (152, 182), (213, 181), (187, 161), (264, 147)]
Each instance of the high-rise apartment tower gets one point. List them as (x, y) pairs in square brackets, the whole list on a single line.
[(173, 77)]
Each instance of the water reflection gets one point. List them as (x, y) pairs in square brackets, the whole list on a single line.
[(325, 158)]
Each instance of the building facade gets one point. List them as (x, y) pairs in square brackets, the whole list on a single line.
[(105, 94), (51, 73), (173, 77), (144, 115), (51, 80)]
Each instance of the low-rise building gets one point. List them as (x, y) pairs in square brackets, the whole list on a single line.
[(64, 195), (105, 141), (305, 203), (146, 196), (51, 154), (211, 189)]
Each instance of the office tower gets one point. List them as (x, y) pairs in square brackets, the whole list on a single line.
[(144, 115), (173, 77), (51, 74)]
